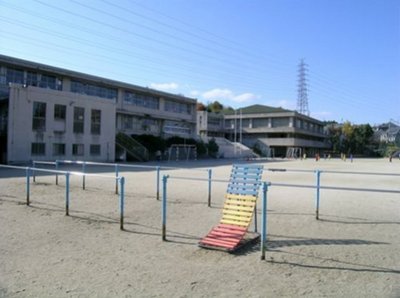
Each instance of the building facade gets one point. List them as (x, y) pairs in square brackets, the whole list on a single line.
[(49, 113), (282, 130), (210, 124)]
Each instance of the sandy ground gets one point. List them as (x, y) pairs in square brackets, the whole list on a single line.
[(352, 251)]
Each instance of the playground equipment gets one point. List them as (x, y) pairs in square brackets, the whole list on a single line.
[(239, 207)]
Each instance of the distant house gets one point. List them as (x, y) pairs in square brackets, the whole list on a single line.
[(388, 133)]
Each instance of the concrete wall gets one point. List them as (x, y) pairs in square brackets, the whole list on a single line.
[(21, 135)]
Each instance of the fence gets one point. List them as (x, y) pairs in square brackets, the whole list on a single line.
[(266, 185), (30, 171), (117, 167)]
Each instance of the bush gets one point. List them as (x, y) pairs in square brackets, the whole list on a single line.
[(212, 148), (152, 143)]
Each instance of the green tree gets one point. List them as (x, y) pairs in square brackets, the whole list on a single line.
[(212, 148), (215, 107)]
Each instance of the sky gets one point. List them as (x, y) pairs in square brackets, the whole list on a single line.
[(238, 52)]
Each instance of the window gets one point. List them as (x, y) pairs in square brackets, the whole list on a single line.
[(177, 107), (141, 100), (127, 122), (38, 149), (93, 90), (79, 119), (47, 81), (60, 112), (95, 149), (58, 149), (31, 79), (95, 123), (15, 76), (176, 128), (78, 149), (39, 116)]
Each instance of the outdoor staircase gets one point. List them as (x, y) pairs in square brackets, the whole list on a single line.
[(131, 147), (228, 149)]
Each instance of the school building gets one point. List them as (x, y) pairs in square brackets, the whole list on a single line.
[(49, 113)]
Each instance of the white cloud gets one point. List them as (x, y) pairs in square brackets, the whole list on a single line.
[(164, 86), (245, 97), (226, 94), (194, 93)]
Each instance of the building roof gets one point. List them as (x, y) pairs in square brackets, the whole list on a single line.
[(100, 80), (257, 109)]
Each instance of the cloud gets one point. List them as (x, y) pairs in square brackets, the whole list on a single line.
[(194, 93), (164, 86), (226, 94)]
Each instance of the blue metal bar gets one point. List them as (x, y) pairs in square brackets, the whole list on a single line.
[(264, 220), (209, 186), (164, 208), (122, 202), (34, 173), (57, 165), (83, 176), (318, 175), (116, 178), (27, 186), (158, 183), (67, 193)]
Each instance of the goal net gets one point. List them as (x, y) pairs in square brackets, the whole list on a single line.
[(182, 152)]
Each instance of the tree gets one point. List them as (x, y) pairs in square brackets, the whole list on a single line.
[(215, 107), (212, 148), (200, 107)]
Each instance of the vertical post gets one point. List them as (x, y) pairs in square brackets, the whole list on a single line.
[(116, 178), (84, 176), (264, 220), (164, 208), (67, 193), (121, 202), (158, 183), (318, 174), (34, 172), (56, 173), (255, 218), (27, 186), (209, 187)]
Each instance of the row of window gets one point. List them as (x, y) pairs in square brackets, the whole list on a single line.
[(32, 79), (272, 123), (177, 107), (93, 90), (14, 75), (141, 100), (39, 149), (60, 111)]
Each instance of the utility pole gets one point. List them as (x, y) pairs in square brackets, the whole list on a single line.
[(302, 95)]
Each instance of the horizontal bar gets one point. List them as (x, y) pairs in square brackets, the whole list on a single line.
[(58, 172), (198, 179), (338, 188), (78, 162), (332, 172), (362, 173), (44, 162), (290, 170)]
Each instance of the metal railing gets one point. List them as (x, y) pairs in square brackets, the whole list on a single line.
[(29, 172)]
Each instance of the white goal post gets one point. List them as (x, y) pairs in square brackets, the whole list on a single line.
[(182, 152)]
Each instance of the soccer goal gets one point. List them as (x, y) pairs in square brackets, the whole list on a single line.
[(182, 152)]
